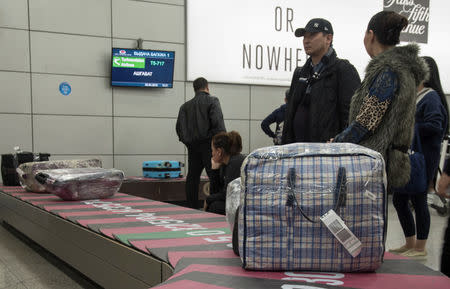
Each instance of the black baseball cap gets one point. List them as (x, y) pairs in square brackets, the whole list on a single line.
[(315, 25)]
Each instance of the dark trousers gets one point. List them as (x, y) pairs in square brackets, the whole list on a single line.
[(217, 207), (422, 224), (199, 158), (445, 258)]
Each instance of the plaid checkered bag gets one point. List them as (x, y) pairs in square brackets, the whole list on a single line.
[(286, 189)]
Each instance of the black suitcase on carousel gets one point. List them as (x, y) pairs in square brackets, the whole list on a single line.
[(10, 162)]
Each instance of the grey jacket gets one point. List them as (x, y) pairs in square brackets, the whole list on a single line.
[(394, 134), (199, 119)]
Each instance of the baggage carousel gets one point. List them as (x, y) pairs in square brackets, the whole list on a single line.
[(165, 190), (132, 242)]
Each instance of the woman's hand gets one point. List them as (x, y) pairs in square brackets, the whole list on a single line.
[(215, 165)]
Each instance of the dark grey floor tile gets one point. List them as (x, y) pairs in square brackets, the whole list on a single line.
[(7, 279), (18, 285)]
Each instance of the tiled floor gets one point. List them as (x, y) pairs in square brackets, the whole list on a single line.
[(25, 265), (395, 237)]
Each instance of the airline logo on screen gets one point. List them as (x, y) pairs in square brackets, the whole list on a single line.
[(128, 62)]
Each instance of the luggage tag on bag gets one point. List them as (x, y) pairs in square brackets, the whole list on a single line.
[(338, 228)]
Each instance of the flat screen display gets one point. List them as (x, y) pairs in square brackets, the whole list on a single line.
[(142, 68)]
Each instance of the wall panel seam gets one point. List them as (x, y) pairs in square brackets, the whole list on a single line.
[(87, 154), (127, 155), (69, 74), (69, 34), (90, 35), (156, 2), (31, 78), (14, 28), (15, 113), (14, 71), (112, 92), (72, 115), (146, 40), (249, 118)]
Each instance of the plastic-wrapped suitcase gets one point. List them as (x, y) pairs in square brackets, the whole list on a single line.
[(286, 219), (27, 171), (162, 169), (233, 200), (232, 203), (81, 183)]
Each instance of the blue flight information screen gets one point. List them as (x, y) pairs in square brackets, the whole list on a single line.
[(143, 68)]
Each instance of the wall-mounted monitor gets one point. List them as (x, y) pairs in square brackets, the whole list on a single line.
[(142, 68)]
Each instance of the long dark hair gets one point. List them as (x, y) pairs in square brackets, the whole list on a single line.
[(387, 25), (434, 82)]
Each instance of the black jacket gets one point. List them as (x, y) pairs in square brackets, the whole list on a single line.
[(276, 116), (199, 119), (330, 99), (221, 177)]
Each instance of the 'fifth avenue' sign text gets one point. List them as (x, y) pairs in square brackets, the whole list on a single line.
[(418, 14)]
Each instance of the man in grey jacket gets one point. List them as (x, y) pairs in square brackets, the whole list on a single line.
[(199, 119)]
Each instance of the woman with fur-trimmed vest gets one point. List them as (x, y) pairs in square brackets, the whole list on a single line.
[(382, 110)]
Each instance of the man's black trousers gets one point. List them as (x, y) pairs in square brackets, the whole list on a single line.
[(199, 158)]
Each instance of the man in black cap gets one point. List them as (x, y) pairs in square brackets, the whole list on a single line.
[(321, 90)]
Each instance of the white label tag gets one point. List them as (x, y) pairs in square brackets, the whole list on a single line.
[(338, 228)]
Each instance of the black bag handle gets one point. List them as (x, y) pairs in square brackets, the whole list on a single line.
[(340, 192), (41, 178)]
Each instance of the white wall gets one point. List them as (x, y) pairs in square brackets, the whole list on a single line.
[(46, 42), (253, 42)]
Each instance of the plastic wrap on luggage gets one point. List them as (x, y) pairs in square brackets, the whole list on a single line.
[(27, 171), (286, 190), (233, 201), (81, 183)]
